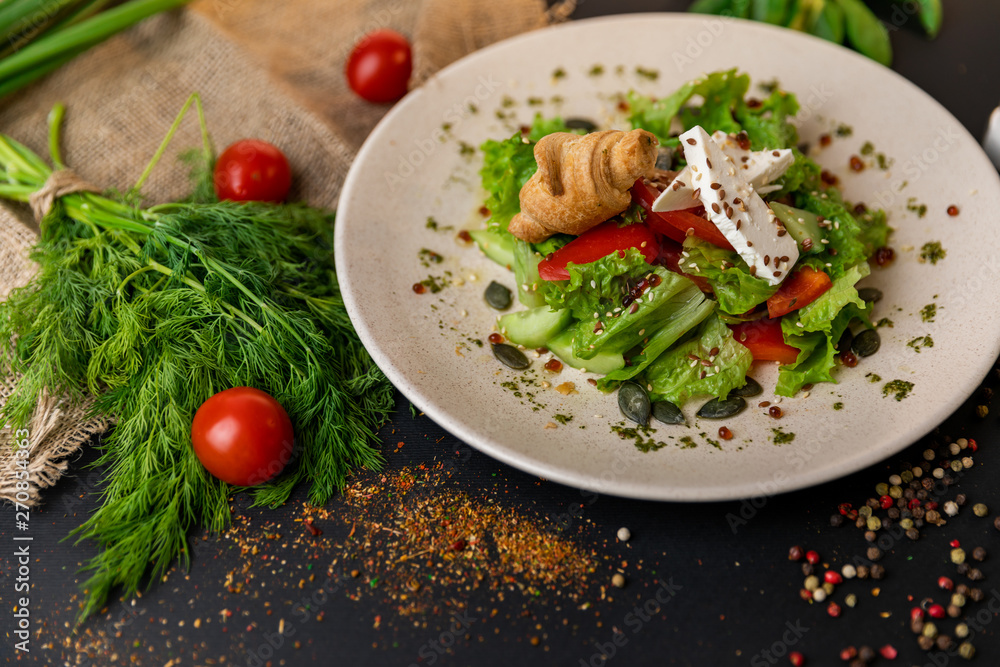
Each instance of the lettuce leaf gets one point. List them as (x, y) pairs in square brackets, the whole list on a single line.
[(722, 92), (735, 289), (816, 329), (675, 377), (599, 288)]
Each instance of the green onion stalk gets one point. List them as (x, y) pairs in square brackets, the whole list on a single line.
[(39, 36)]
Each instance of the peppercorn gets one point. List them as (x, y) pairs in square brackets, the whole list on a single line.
[(808, 569), (819, 595), (966, 650), (811, 583), (925, 643), (930, 630), (851, 600), (962, 589), (893, 513), (836, 520), (833, 609), (888, 652), (943, 642), (975, 574), (812, 557), (797, 659), (618, 580), (976, 594), (958, 600), (873, 553), (848, 571), (870, 535), (954, 611), (912, 533), (979, 553), (860, 522), (958, 555), (951, 508), (996, 523), (862, 571), (935, 611), (796, 553), (877, 572), (960, 499), (848, 653), (945, 583), (961, 630), (963, 568), (874, 523), (866, 653), (982, 411), (980, 509)]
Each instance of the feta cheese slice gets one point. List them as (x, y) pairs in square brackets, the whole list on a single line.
[(737, 210), (758, 168)]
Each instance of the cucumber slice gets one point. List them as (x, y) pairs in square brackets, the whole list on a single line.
[(603, 362), (801, 225), (498, 247), (534, 327), (530, 286)]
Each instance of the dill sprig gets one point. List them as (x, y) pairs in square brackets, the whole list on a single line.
[(153, 311)]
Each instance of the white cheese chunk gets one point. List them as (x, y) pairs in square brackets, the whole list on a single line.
[(737, 210), (758, 168)]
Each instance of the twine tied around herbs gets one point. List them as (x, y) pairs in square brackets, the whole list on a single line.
[(59, 184)]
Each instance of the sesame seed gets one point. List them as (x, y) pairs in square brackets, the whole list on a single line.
[(692, 142)]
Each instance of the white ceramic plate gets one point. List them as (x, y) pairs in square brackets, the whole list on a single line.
[(411, 167)]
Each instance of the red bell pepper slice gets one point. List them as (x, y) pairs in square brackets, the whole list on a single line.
[(799, 289), (675, 224), (765, 341), (596, 243)]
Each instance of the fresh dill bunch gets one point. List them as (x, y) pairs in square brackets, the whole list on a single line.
[(152, 311)]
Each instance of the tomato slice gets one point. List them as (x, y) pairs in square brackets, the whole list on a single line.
[(675, 224), (765, 341), (670, 257), (596, 243), (799, 289)]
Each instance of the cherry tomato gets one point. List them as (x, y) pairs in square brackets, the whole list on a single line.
[(242, 436), (765, 341), (596, 243), (252, 170), (379, 67)]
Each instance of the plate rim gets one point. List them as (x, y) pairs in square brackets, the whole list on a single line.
[(576, 479)]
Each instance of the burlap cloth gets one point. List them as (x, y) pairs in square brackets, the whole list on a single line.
[(268, 70)]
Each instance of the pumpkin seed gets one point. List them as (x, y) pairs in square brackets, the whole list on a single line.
[(846, 339), (510, 356), (870, 294), (866, 343), (668, 413), (497, 296), (750, 389), (664, 158), (634, 403), (716, 409), (581, 124)]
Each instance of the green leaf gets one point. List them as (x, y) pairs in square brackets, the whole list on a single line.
[(865, 32), (675, 377), (829, 23), (722, 91), (710, 6), (728, 275), (691, 308), (816, 329), (770, 11), (931, 15)]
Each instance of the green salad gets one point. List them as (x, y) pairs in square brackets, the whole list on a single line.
[(668, 301)]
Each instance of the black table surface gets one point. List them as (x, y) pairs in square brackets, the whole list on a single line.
[(735, 597)]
